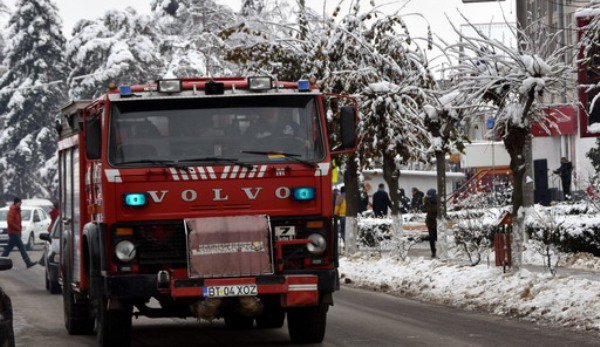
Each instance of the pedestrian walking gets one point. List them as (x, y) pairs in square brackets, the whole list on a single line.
[(340, 212), (404, 201), (13, 219), (430, 202), (363, 200), (565, 171), (381, 201), (336, 193), (54, 213), (416, 203)]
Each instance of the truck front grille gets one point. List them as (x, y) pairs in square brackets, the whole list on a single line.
[(161, 244)]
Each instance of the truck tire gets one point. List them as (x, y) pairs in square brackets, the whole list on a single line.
[(236, 321), (271, 319), (307, 324), (113, 327), (77, 315)]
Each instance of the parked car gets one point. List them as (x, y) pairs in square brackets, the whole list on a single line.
[(34, 220), (45, 204), (51, 257), (7, 334)]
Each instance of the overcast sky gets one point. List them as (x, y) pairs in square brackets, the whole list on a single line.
[(433, 10)]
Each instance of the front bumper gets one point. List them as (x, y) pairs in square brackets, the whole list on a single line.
[(296, 287)]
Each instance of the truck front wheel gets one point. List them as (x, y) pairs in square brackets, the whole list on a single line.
[(270, 319), (307, 324), (113, 327)]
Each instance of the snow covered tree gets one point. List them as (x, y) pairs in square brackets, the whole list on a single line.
[(252, 7), (364, 53), (515, 82), (189, 41), (120, 47), (30, 94)]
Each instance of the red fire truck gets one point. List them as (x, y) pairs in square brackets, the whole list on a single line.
[(211, 196)]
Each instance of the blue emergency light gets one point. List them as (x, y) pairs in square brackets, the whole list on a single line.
[(125, 90), (135, 199), (303, 85), (304, 193)]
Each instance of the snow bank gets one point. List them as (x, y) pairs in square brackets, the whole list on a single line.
[(564, 301)]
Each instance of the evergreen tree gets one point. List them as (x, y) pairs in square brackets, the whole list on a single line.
[(30, 96), (120, 47)]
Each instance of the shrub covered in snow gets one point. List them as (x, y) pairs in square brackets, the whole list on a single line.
[(371, 231), (570, 233)]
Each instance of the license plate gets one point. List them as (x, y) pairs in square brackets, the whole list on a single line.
[(285, 232), (225, 291)]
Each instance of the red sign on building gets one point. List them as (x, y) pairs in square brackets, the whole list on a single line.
[(560, 120)]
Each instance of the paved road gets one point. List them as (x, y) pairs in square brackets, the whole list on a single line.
[(359, 318)]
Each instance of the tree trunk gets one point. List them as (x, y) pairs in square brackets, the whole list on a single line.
[(515, 145), (391, 174), (528, 192), (352, 197), (440, 158)]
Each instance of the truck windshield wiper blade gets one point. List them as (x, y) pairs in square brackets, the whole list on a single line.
[(216, 159), (169, 163), (290, 156)]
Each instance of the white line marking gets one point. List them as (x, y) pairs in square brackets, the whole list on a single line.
[(202, 173), (225, 172), (174, 174), (211, 172), (235, 171), (263, 168)]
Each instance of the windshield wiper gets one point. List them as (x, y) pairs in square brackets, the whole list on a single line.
[(168, 163), (216, 159), (290, 156)]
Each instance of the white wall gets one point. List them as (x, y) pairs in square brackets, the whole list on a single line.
[(485, 154), (582, 164), (424, 180)]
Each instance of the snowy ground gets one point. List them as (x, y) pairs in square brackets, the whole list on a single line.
[(563, 300)]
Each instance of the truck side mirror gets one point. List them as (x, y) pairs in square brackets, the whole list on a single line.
[(45, 237), (93, 138), (348, 127)]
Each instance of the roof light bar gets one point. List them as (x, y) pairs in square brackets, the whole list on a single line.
[(125, 91), (258, 83), (303, 86), (169, 86)]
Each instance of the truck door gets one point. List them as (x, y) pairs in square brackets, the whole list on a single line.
[(70, 216)]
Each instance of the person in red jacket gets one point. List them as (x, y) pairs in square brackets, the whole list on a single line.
[(54, 213), (13, 220)]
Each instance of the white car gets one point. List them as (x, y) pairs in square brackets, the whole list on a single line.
[(34, 221)]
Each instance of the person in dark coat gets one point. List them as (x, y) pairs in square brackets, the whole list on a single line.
[(13, 221), (381, 201), (430, 202), (564, 171), (416, 204), (404, 201), (363, 200)]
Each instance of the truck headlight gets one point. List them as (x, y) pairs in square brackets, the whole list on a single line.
[(317, 244), (125, 251)]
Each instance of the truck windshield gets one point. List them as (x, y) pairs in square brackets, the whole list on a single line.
[(145, 132)]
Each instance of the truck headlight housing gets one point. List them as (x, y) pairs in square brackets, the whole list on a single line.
[(169, 86), (317, 244), (125, 251)]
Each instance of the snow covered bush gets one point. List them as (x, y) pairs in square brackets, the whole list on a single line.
[(569, 233), (372, 231), (472, 234)]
